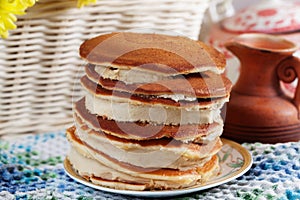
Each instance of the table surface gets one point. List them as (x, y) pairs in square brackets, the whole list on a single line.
[(31, 167)]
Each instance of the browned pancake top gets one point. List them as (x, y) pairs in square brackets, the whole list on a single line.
[(155, 52), (200, 85)]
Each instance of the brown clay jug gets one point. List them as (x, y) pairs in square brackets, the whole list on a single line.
[(258, 110)]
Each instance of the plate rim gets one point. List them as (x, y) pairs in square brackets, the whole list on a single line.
[(248, 160)]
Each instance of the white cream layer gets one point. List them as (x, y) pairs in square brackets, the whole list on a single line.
[(127, 110), (177, 97)]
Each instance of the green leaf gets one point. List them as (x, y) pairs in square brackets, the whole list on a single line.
[(226, 155)]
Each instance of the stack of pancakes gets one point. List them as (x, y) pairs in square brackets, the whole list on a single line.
[(150, 119)]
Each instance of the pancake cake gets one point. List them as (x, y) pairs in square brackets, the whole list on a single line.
[(150, 118)]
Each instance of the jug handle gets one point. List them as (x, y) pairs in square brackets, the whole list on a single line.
[(287, 71)]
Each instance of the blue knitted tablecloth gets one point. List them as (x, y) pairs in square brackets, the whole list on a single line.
[(31, 167)]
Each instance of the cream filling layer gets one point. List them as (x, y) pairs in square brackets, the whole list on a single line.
[(127, 110), (178, 97)]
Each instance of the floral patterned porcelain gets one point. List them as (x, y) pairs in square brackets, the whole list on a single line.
[(273, 16), (269, 16)]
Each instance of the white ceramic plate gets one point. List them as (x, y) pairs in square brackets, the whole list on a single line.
[(234, 159)]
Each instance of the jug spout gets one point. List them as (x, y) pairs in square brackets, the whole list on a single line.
[(261, 42), (234, 47), (259, 55)]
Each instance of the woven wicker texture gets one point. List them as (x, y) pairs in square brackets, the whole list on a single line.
[(39, 61)]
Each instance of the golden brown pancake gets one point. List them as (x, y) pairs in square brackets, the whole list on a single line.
[(143, 130), (155, 177), (99, 174), (95, 89), (170, 153), (190, 152), (74, 139), (153, 52), (150, 118), (201, 85)]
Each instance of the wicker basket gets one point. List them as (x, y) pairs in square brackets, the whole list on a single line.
[(39, 61)]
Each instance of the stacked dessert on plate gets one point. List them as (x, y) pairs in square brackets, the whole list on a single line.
[(150, 119)]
